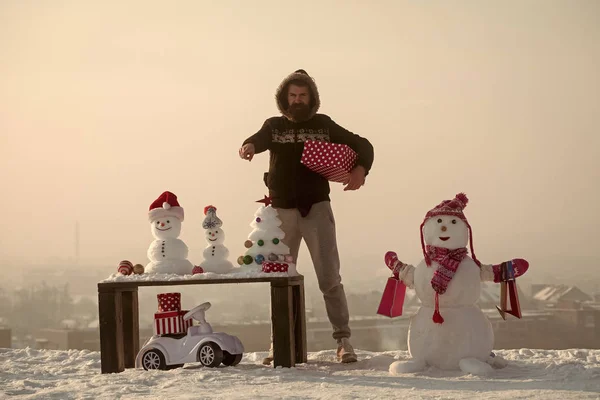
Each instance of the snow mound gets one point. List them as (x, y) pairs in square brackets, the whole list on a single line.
[(75, 374)]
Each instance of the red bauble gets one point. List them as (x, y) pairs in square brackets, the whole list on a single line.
[(197, 270)]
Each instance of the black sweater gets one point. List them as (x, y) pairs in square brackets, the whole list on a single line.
[(291, 184)]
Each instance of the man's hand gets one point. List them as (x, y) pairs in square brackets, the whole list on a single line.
[(247, 151), (356, 178)]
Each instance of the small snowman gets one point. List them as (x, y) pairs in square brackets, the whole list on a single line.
[(215, 254), (168, 254), (449, 331)]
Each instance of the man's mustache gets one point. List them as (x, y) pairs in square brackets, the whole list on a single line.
[(298, 106)]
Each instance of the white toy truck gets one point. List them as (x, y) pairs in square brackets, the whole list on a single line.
[(199, 344)]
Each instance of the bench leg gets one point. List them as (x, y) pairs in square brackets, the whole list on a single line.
[(110, 316), (300, 324), (131, 327), (282, 317)]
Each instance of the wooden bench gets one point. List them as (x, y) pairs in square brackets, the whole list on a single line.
[(119, 319)]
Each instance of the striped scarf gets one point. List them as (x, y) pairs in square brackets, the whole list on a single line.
[(449, 260)]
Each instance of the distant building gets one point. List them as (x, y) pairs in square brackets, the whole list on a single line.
[(65, 339), (490, 297), (5, 338), (553, 294), (556, 317)]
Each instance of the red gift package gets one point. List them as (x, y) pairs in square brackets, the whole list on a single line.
[(274, 267), (169, 318), (169, 302), (171, 322), (333, 161), (392, 299)]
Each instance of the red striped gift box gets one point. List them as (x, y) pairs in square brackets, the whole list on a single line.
[(170, 322), (333, 161)]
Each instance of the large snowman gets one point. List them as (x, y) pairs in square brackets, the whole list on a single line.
[(215, 254), (167, 253), (449, 331)]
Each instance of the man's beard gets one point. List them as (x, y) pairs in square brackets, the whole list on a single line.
[(299, 111)]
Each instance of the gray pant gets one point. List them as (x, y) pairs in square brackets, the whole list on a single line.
[(318, 231)]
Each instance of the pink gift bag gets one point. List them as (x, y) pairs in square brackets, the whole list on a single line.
[(393, 298)]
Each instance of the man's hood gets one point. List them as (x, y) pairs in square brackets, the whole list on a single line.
[(281, 93)]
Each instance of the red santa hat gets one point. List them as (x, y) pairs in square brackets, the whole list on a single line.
[(165, 205), (453, 208)]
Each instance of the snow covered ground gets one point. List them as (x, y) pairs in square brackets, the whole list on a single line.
[(74, 374)]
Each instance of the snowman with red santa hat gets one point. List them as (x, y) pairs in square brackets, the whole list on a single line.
[(449, 331), (167, 253)]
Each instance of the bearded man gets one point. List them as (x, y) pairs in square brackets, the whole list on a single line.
[(301, 196)]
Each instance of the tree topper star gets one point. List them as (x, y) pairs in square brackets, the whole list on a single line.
[(266, 200)]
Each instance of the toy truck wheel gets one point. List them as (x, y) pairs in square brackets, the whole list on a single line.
[(231, 360), (210, 354), (153, 359)]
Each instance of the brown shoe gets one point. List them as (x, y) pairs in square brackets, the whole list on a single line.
[(268, 359), (345, 352)]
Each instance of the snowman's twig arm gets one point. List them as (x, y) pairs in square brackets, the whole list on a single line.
[(406, 273), (487, 273), (505, 271)]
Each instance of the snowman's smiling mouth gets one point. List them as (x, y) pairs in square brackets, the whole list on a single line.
[(164, 229), (212, 240), (444, 238)]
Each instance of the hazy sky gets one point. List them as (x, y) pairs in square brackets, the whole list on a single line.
[(105, 105)]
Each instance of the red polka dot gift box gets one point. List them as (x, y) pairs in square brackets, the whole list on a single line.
[(274, 267), (169, 302), (333, 161)]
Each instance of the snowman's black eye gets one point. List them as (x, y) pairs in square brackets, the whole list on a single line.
[(157, 222), (439, 220), (168, 222), (454, 221), (216, 231)]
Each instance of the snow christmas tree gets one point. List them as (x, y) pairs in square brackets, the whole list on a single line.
[(266, 250)]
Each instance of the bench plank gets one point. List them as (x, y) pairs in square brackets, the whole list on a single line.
[(131, 327), (282, 317), (300, 324), (125, 284), (111, 332)]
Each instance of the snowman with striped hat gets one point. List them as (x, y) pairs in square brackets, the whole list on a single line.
[(449, 331), (167, 253), (215, 253)]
